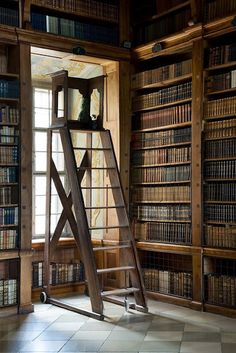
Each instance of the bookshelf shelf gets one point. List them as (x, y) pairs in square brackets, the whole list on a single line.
[(221, 159), (164, 127), (162, 202), (221, 67), (165, 83), (160, 164), (219, 222), (160, 106), (161, 146), (165, 221), (221, 92), (163, 182)]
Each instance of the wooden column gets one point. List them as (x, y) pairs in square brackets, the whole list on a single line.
[(124, 21), (197, 111), (25, 304)]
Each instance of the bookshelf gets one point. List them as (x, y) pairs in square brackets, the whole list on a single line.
[(219, 231), (91, 20), (155, 19), (214, 9), (162, 178), (10, 13), (9, 178)]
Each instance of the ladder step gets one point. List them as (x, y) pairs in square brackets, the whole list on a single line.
[(120, 291), (103, 207), (110, 227), (91, 149), (112, 247), (115, 269)]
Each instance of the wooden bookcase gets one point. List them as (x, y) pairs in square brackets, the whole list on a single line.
[(10, 13), (198, 253)]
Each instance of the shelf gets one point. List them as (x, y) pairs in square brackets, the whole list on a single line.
[(6, 226), (161, 146), (189, 303), (163, 182), (220, 138), (164, 13), (223, 91), (9, 100), (160, 165), (8, 254), (172, 248), (220, 159), (9, 184), (221, 202), (219, 179), (221, 66), (220, 223), (9, 124), (217, 252), (76, 13), (165, 127), (216, 117), (165, 83), (161, 202), (162, 220), (160, 106), (9, 75)]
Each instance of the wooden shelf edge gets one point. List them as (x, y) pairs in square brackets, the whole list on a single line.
[(9, 254), (165, 83), (221, 310), (188, 303), (173, 248), (218, 27), (67, 288), (217, 252), (179, 42), (66, 44)]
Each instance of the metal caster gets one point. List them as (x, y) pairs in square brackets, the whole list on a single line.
[(43, 297)]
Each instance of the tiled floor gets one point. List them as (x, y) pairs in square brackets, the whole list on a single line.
[(166, 328)]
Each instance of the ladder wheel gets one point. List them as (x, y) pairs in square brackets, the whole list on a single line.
[(43, 297)]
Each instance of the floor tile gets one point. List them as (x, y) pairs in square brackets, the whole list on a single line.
[(90, 335), (12, 346), (201, 337), (43, 346), (228, 337), (200, 328), (157, 346), (120, 346), (56, 335), (203, 347), (127, 335), (228, 347), (82, 346), (163, 336)]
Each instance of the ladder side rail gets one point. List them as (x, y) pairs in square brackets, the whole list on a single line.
[(81, 218), (136, 277), (46, 277)]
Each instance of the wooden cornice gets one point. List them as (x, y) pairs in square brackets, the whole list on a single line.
[(59, 43), (8, 35), (171, 44), (219, 27)]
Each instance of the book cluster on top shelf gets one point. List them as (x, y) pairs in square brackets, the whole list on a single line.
[(91, 20), (161, 154), (214, 9), (220, 148), (9, 13)]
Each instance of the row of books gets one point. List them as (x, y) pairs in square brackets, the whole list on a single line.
[(222, 54), (3, 59), (8, 292), (220, 107), (163, 26), (220, 236), (220, 170), (225, 148), (161, 213), (218, 8), (162, 6), (161, 174), (175, 233), (160, 138), (8, 154), (8, 134), (8, 216), (8, 239), (8, 175), (161, 156), (105, 9), (161, 194), (220, 213), (166, 72), (9, 115), (9, 89), (220, 128), (220, 191), (60, 273), (75, 29), (163, 96), (9, 16), (220, 289), (168, 282), (8, 196), (178, 114), (222, 81)]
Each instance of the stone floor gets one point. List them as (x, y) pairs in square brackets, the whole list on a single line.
[(165, 328)]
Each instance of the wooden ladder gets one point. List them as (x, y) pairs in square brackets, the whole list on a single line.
[(98, 210)]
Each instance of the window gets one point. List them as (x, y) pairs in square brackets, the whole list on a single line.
[(42, 100)]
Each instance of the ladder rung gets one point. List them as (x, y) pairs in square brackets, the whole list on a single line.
[(109, 227), (103, 207), (91, 149), (122, 291), (95, 168), (112, 247), (99, 187), (115, 269)]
